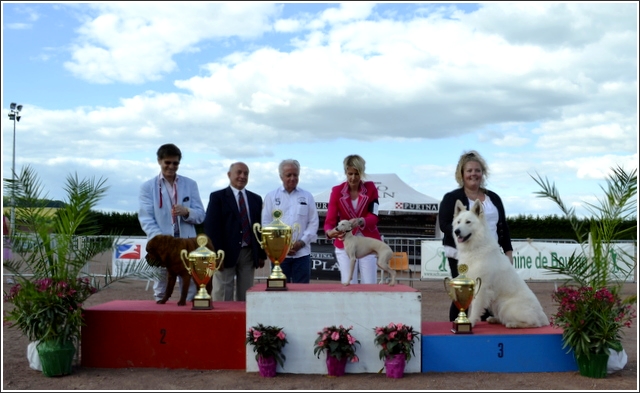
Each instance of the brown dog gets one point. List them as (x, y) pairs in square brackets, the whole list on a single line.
[(164, 251)]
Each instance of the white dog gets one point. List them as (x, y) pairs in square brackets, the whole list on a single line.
[(502, 291), (360, 246)]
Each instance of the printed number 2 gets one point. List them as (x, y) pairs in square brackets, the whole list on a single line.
[(500, 350), (163, 334)]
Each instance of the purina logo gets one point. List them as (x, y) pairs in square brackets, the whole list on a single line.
[(431, 207), (128, 251)]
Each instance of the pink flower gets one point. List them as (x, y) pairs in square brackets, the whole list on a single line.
[(355, 359), (281, 335), (335, 336)]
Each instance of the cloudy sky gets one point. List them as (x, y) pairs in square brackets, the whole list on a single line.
[(547, 88)]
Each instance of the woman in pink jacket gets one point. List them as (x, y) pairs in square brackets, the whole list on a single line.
[(354, 200)]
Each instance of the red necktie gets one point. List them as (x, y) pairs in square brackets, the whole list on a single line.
[(244, 220)]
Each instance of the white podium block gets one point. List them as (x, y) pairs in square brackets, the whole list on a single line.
[(304, 309)]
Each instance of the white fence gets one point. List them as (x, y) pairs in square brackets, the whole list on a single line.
[(426, 256)]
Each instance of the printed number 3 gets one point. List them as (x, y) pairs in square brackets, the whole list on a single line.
[(500, 350)]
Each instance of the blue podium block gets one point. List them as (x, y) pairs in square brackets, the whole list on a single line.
[(494, 348)]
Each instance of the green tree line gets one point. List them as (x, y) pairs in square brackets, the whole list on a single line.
[(521, 227)]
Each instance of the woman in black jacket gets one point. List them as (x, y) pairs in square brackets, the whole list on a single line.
[(471, 174)]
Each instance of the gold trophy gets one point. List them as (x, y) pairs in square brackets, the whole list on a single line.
[(201, 264), (277, 237), (461, 291)]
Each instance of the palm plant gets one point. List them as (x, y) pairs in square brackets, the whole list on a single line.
[(55, 249), (594, 266), (591, 311)]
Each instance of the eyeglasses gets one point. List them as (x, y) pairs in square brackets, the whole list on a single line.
[(175, 163)]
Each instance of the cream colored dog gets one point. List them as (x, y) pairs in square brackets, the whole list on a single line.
[(360, 246), (502, 291)]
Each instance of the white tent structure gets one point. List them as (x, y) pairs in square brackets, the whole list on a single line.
[(395, 197)]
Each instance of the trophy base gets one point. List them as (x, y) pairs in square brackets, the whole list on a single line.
[(202, 304), (276, 284), (461, 328)]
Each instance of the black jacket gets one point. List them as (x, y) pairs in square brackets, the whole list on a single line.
[(222, 225), (445, 217)]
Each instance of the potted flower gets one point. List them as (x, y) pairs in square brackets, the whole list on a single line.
[(50, 253), (267, 342), (591, 311), (592, 320), (340, 346), (49, 312), (396, 346)]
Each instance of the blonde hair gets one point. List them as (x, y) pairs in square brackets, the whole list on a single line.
[(466, 157), (354, 161)]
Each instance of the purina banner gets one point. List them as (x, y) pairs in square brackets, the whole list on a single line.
[(530, 259)]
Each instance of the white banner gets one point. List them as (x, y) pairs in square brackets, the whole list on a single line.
[(530, 259)]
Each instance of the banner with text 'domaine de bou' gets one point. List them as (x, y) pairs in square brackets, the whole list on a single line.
[(530, 258)]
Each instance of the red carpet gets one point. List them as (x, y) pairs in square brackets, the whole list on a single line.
[(483, 328)]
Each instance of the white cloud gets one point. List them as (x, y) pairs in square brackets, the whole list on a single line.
[(408, 90), (18, 26), (134, 43)]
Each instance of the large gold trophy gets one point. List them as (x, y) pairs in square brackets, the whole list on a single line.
[(276, 240), (201, 264), (462, 290)]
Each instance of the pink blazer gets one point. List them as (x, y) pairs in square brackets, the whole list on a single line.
[(341, 208)]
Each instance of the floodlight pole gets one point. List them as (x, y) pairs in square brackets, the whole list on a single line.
[(15, 116)]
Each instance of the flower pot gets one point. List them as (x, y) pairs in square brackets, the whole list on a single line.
[(56, 358), (335, 366), (267, 366), (394, 365), (593, 367)]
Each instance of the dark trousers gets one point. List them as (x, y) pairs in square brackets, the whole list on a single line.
[(453, 310), (297, 270)]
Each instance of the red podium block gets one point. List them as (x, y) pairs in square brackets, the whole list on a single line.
[(141, 333)]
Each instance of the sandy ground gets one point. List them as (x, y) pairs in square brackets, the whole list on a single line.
[(17, 375)]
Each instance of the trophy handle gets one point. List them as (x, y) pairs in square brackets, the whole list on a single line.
[(446, 284), (220, 255), (478, 283), (257, 228), (183, 255)]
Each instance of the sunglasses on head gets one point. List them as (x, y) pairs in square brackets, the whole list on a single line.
[(175, 163)]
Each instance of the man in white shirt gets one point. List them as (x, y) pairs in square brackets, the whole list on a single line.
[(297, 206)]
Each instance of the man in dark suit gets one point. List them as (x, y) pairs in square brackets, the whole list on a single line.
[(223, 224)]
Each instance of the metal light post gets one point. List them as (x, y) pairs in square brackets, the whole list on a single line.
[(15, 116)]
